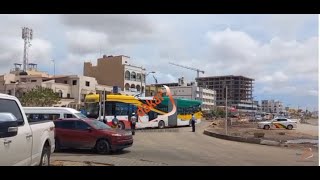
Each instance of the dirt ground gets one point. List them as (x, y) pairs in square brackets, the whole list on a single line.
[(248, 129)]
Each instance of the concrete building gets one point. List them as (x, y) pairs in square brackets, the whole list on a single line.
[(240, 90), (272, 106), (187, 91), (117, 71), (72, 89)]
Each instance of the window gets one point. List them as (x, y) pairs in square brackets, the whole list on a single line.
[(66, 82), (33, 80), (74, 82), (10, 106), (68, 95), (121, 109), (65, 124), (87, 83), (41, 117), (9, 92), (80, 125), (282, 120), (69, 116)]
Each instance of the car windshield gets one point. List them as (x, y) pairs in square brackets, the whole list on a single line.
[(80, 115), (99, 125)]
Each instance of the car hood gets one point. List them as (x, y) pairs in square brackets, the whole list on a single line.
[(116, 131)]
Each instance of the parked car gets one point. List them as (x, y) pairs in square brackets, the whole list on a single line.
[(90, 134), (51, 113), (23, 143), (278, 123)]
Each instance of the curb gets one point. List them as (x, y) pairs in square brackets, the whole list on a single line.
[(241, 139)]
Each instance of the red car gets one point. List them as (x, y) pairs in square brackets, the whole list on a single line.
[(90, 134)]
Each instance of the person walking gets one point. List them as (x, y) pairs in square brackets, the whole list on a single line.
[(193, 123), (115, 121), (133, 121)]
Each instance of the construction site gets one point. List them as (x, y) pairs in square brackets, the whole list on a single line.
[(238, 89)]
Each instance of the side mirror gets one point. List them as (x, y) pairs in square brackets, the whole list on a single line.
[(8, 125), (89, 129)]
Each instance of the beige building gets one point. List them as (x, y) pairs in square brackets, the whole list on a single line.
[(117, 71), (71, 88)]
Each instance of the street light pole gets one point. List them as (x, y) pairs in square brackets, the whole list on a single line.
[(226, 124), (54, 68), (145, 79)]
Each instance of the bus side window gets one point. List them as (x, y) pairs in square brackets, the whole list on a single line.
[(110, 110)]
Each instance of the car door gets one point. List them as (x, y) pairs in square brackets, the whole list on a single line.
[(15, 150), (64, 133), (281, 123), (85, 137)]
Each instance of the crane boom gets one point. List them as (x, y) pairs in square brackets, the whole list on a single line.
[(194, 69)]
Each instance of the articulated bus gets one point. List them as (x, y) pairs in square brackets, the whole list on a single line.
[(123, 106)]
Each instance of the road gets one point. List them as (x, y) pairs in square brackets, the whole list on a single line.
[(180, 146)]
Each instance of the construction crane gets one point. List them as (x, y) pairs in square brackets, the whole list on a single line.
[(194, 69), (155, 79)]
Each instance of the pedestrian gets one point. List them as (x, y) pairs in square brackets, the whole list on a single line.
[(115, 121), (193, 123), (133, 121)]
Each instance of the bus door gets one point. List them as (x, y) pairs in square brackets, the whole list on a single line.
[(173, 119)]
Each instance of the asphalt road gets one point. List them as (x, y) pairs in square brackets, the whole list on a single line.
[(180, 146)]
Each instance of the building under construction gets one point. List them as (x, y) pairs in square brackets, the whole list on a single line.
[(239, 91)]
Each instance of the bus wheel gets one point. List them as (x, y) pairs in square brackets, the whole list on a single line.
[(121, 125), (161, 125)]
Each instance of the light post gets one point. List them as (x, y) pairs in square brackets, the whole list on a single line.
[(54, 68), (252, 105), (14, 88), (145, 77)]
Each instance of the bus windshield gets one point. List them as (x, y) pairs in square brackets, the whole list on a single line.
[(92, 110)]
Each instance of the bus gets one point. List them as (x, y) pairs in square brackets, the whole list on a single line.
[(124, 105)]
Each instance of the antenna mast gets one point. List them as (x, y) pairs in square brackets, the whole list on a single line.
[(27, 35)]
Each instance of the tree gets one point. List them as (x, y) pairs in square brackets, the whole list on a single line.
[(40, 96)]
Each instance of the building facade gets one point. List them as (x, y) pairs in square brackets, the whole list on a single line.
[(272, 106), (239, 91), (72, 89), (118, 71), (187, 91)]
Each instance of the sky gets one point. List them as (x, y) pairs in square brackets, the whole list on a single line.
[(279, 51)]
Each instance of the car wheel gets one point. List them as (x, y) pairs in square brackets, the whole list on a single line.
[(57, 145), (266, 127), (290, 127), (45, 156), (161, 125), (121, 125), (103, 147)]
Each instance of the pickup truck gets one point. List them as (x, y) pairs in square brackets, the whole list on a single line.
[(23, 143)]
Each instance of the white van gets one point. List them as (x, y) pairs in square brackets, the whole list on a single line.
[(51, 113)]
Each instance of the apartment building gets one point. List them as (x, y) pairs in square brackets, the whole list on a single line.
[(187, 91), (118, 71), (239, 91), (272, 106)]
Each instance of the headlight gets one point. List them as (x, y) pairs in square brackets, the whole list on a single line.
[(118, 135)]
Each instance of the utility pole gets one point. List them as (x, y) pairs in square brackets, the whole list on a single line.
[(226, 123), (100, 104), (54, 68), (104, 104)]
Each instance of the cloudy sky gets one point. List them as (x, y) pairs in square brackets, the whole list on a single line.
[(279, 51)]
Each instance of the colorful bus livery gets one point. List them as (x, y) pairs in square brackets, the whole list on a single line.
[(123, 106)]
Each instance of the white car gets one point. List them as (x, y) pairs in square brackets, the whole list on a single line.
[(23, 143), (283, 123)]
